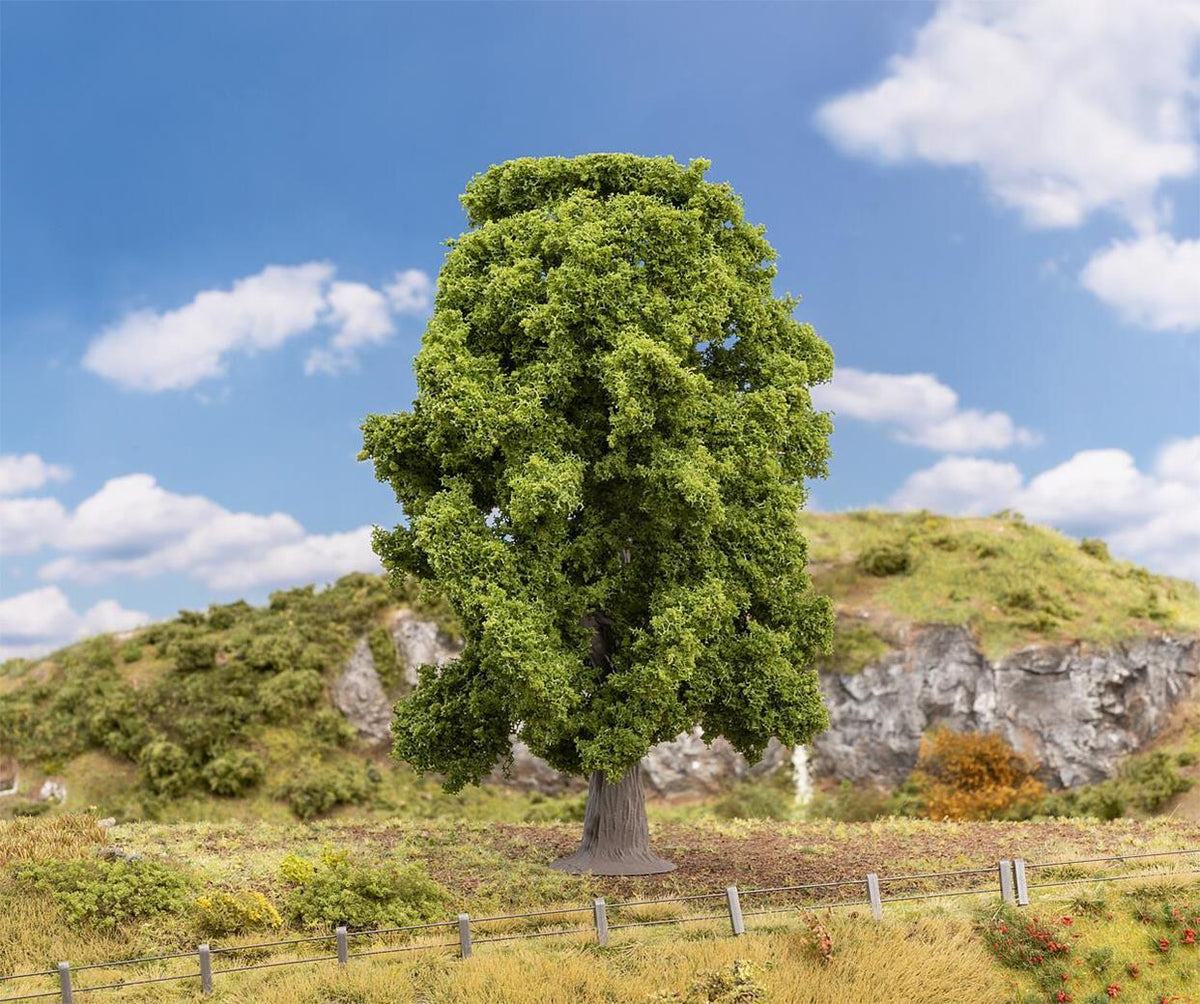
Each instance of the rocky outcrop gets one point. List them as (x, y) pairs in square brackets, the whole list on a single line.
[(358, 692), (1077, 709)]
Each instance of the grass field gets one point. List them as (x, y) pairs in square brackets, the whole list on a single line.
[(950, 947)]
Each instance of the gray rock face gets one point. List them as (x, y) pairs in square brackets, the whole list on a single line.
[(1078, 709), (358, 693)]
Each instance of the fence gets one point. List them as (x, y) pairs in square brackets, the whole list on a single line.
[(1010, 877)]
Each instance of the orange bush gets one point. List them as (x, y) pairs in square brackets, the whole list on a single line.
[(971, 775)]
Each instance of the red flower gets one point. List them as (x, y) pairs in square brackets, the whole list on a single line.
[(1189, 936), (1064, 977), (1163, 944), (1035, 959), (1066, 921), (1062, 997), (1114, 989), (1134, 970)]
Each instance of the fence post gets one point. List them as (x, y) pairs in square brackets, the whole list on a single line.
[(464, 935), (1022, 886), (64, 980), (1006, 881), (735, 910), (205, 969), (342, 946), (600, 910), (873, 896)]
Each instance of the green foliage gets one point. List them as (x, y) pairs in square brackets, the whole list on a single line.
[(1095, 548), (104, 894), (855, 645), (387, 662), (195, 655), (132, 650), (1144, 783), (222, 913), (336, 890), (732, 984), (328, 727), (885, 559), (769, 797), (318, 789), (288, 695), (167, 769), (601, 473), (233, 773)]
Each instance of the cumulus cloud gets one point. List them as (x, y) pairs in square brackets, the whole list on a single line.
[(176, 349), (1148, 516), (41, 620), (920, 410), (1063, 107), (133, 527), (1152, 280), (28, 525), (26, 472)]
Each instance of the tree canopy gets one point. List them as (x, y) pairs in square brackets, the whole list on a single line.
[(602, 472)]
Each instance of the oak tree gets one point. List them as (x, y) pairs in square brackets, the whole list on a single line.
[(601, 473)]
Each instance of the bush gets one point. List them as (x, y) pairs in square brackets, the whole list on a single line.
[(233, 773), (287, 694), (330, 727), (132, 650), (223, 913), (732, 984), (973, 776), (103, 895), (335, 890), (770, 797), (166, 769), (1146, 783), (1095, 548), (320, 789), (195, 655), (885, 559), (387, 662)]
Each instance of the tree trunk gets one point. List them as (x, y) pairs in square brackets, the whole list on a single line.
[(616, 837)]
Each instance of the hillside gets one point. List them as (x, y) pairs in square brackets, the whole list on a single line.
[(227, 713)]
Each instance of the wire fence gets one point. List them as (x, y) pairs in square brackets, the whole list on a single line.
[(1008, 878)]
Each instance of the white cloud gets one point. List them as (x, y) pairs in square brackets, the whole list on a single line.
[(313, 558), (176, 349), (1065, 107), (28, 471), (42, 620), (362, 318), (961, 485), (920, 409), (28, 525), (410, 292), (1152, 280), (1150, 517), (132, 527)]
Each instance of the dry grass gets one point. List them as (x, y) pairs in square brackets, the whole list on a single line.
[(50, 839)]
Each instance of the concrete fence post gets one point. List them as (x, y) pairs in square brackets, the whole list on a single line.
[(205, 969), (1022, 884), (873, 896), (64, 981), (1006, 881), (343, 946), (735, 910), (464, 935), (600, 911)]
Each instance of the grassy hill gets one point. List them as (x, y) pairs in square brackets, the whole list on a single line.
[(225, 714)]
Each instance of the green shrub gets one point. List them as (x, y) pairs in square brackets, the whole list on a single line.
[(1093, 547), (770, 797), (855, 645), (1152, 780), (732, 984), (329, 727), (195, 655), (885, 559), (287, 695), (233, 773), (320, 789), (132, 651), (103, 895), (566, 809), (223, 913), (387, 662), (336, 890), (166, 769)]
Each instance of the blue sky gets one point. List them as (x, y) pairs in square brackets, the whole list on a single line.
[(222, 223)]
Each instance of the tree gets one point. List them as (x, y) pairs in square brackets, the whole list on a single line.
[(601, 473)]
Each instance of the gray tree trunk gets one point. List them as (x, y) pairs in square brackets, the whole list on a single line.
[(616, 836)]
